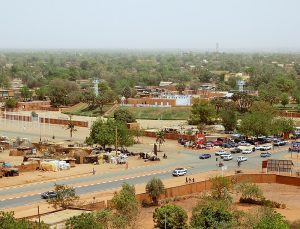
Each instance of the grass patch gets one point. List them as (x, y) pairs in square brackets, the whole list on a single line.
[(86, 111), (160, 113)]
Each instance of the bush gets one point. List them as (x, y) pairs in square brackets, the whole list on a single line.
[(11, 103), (263, 202), (174, 217)]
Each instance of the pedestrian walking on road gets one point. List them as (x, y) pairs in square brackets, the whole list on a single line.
[(193, 180), (186, 180), (190, 180), (94, 171)]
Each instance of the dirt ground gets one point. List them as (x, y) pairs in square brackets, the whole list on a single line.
[(286, 194)]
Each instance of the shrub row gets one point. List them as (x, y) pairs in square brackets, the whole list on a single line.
[(263, 202)]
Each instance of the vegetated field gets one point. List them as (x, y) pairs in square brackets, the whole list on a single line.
[(163, 113), (84, 110)]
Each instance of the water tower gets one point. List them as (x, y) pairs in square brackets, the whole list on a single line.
[(241, 84), (96, 87)]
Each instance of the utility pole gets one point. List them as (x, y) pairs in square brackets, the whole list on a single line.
[(39, 216), (116, 143)]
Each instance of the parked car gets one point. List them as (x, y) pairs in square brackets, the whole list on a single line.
[(227, 157), (236, 150), (247, 151), (258, 147), (263, 148), (209, 145), (179, 172), (205, 156), (226, 145), (225, 154), (241, 158), (278, 142), (48, 195), (220, 152), (265, 154), (244, 143)]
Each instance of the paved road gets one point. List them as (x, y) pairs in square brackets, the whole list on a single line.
[(189, 160)]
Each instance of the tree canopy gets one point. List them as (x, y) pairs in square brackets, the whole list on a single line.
[(104, 133)]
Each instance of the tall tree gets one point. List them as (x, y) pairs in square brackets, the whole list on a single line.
[(203, 112), (25, 93), (160, 138), (71, 127), (155, 188), (65, 196), (126, 205), (284, 99), (104, 133)]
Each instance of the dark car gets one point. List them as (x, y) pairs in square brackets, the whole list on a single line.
[(227, 145), (236, 150), (265, 154), (205, 156), (48, 195)]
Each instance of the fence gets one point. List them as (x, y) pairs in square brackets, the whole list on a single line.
[(64, 122), (17, 117), (197, 187)]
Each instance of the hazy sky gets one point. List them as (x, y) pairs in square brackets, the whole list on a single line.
[(151, 24)]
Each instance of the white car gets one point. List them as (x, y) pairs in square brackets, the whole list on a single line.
[(241, 158), (179, 172), (224, 155), (227, 157), (258, 147), (247, 151), (220, 152), (244, 143), (267, 147)]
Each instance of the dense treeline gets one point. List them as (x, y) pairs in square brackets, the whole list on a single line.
[(126, 69)]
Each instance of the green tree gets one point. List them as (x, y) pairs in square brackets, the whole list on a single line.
[(25, 93), (269, 93), (214, 214), (83, 221), (8, 221), (65, 197), (243, 101), (126, 205), (11, 102), (160, 138), (124, 115), (60, 90), (104, 97), (104, 133), (41, 93), (220, 188), (229, 119), (256, 123), (284, 99), (281, 125), (155, 188), (170, 217), (203, 112)]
